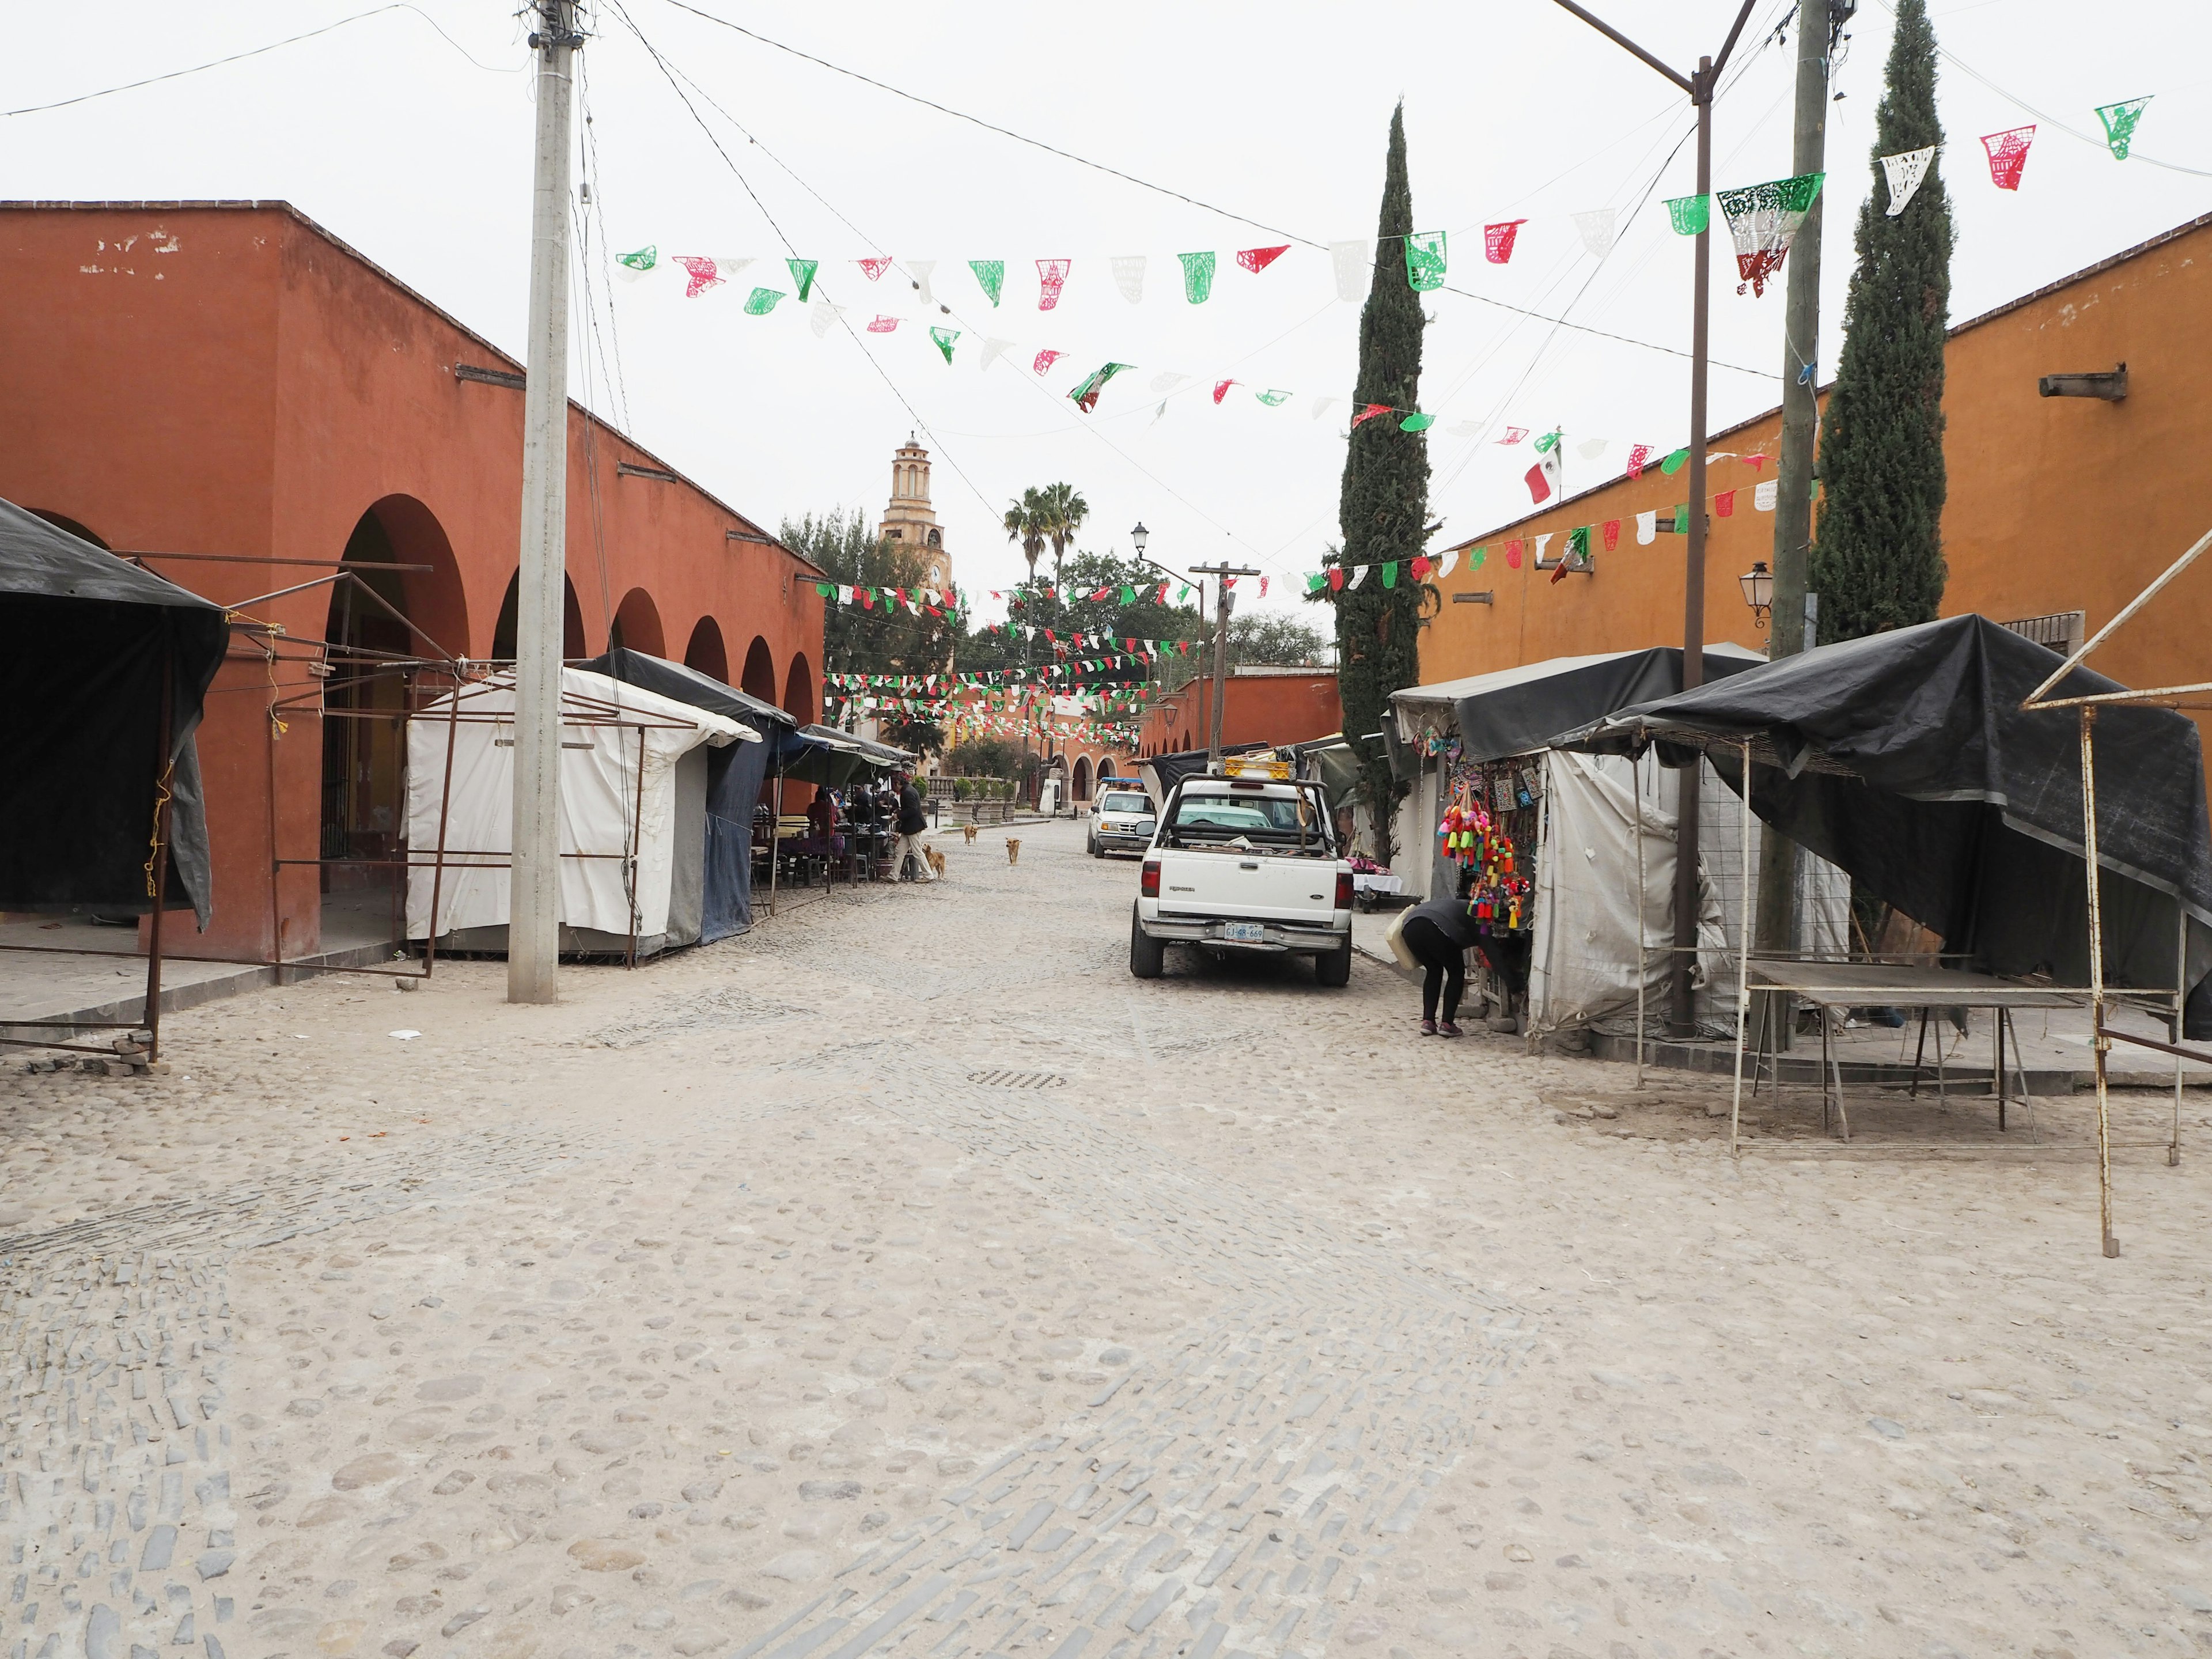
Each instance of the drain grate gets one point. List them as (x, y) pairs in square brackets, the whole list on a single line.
[(1017, 1079)]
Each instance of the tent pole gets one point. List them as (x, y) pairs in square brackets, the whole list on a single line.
[(2180, 997), (637, 847), (165, 772), (2099, 1044), (444, 807), (1642, 952), (774, 827), (1743, 949)]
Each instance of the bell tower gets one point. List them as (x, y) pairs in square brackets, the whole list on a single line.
[(910, 520)]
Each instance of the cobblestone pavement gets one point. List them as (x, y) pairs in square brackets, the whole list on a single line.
[(905, 1278)]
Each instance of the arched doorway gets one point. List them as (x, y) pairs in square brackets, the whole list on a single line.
[(759, 680), (799, 691), (373, 636), (1083, 778), (637, 626), (572, 622), (705, 651)]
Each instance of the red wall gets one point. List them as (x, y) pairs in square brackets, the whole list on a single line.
[(229, 379), (1273, 709)]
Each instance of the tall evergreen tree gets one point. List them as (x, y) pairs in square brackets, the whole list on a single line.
[(1383, 510), (1878, 543)]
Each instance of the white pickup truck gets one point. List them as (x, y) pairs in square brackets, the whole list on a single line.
[(1244, 860)]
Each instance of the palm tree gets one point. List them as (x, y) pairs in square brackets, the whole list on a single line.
[(1024, 523), (1062, 511)]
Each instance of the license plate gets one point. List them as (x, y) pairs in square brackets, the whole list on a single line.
[(1243, 932)]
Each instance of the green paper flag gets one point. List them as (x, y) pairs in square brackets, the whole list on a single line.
[(2120, 121), (644, 259), (761, 301), (802, 272), (1183, 593), (1548, 443), (825, 589), (991, 274), (1317, 582), (1763, 221), (1272, 399), (1085, 396), (1416, 423), (1425, 260), (1690, 215), (1682, 519), (944, 337), (1197, 276), (1390, 574), (1578, 544), (1675, 462), (1128, 595)]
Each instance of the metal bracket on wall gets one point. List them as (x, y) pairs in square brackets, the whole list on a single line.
[(658, 474), (505, 377), (2109, 385), (1486, 597)]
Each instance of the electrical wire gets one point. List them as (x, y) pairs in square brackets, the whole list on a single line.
[(256, 51)]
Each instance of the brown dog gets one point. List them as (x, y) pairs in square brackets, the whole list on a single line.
[(936, 860), (1014, 849), (969, 830)]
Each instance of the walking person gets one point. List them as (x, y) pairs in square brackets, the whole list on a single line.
[(1438, 933), (911, 823)]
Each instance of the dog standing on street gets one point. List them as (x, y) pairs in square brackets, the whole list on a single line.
[(1014, 849), (936, 860)]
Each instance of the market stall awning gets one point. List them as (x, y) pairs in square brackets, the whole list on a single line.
[(1906, 759), (686, 685), (1516, 711)]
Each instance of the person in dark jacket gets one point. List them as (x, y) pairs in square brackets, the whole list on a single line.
[(912, 822), (1438, 934)]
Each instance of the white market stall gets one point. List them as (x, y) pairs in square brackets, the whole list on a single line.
[(633, 815)]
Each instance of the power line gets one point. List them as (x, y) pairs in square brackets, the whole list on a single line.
[(256, 51)]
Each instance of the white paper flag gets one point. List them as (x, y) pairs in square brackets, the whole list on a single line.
[(1646, 528), (994, 350), (844, 594), (1451, 559), (1763, 494), (919, 270), (1359, 574), (727, 269), (1590, 448), (1320, 407), (822, 316), (1167, 382), (1543, 541), (1905, 171), (1465, 429), (1596, 229), (1355, 263), (1130, 276)]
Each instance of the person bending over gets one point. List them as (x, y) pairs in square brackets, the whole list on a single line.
[(1438, 934)]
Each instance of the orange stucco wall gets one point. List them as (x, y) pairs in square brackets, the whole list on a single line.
[(1262, 709), (2055, 503), (228, 379)]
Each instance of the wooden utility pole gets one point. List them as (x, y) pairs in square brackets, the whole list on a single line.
[(533, 916), (1223, 603), (1681, 1013), (1819, 22)]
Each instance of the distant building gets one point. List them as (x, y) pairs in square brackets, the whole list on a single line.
[(1264, 702), (910, 520)]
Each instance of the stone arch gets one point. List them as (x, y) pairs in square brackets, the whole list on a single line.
[(1081, 782), (759, 680), (637, 626), (706, 652), (799, 691), (572, 622), (434, 599)]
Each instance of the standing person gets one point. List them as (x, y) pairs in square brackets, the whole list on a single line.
[(1438, 934), (911, 824)]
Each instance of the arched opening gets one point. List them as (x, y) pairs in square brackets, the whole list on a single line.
[(705, 651), (1083, 778), (799, 691), (365, 699), (72, 526), (572, 622), (759, 679), (637, 626)]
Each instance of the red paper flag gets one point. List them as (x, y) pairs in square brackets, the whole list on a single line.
[(1498, 240), (1102, 593), (1052, 277), (1049, 634), (700, 275), (1612, 534), (2007, 152), (1724, 504), (883, 325), (1513, 554), (1221, 389), (1336, 578), (1257, 259), (1638, 455), (1514, 435), (1045, 359), (1420, 566), (876, 267), (1371, 412), (1263, 587), (867, 597)]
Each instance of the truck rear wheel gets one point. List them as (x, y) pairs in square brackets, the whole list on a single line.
[(1147, 956), (1334, 969)]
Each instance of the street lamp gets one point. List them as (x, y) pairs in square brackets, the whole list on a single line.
[(1140, 537), (1757, 585)]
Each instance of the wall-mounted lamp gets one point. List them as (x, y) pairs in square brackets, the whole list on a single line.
[(1757, 585)]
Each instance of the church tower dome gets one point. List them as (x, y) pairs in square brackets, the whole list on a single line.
[(910, 520)]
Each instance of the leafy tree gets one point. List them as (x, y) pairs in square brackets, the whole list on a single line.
[(1061, 511), (887, 638), (1283, 641), (1384, 505), (1878, 546), (1024, 521)]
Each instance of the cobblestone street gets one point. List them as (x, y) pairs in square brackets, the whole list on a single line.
[(904, 1278)]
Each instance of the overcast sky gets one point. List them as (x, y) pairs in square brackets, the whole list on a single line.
[(389, 134)]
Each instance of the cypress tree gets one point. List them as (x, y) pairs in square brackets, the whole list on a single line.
[(1878, 546), (1384, 507)]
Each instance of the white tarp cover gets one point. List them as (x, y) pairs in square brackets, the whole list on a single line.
[(601, 808)]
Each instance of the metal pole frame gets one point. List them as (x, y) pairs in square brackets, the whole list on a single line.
[(1743, 954), (1643, 951), (165, 769), (2100, 1045)]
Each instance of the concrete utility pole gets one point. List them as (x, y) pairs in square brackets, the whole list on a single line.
[(533, 922), (1682, 1014), (1223, 603), (1819, 23)]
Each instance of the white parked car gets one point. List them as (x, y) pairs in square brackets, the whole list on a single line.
[(1244, 860), (1121, 820)]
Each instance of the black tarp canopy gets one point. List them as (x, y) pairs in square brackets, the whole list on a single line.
[(733, 778), (1906, 759), (1515, 711), (89, 645)]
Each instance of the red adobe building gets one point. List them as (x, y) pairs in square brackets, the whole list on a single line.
[(229, 379), (1262, 703)]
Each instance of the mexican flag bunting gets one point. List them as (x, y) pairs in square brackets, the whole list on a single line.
[(636, 265), (2120, 121), (1130, 276), (2008, 154), (761, 301), (1445, 566), (1417, 423), (921, 271), (944, 337), (1352, 263), (1221, 391), (821, 316), (1425, 260), (1690, 215), (701, 274), (1595, 229), (1675, 462), (1763, 219), (1514, 435), (1085, 396), (1044, 360), (1639, 456), (875, 268), (1257, 259), (1903, 173), (990, 276), (1263, 587), (1197, 276), (802, 272), (1498, 240), (1052, 278), (1272, 399), (881, 325), (1370, 413), (1612, 534), (1544, 477)]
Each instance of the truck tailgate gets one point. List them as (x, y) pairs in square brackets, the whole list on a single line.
[(1260, 885)]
